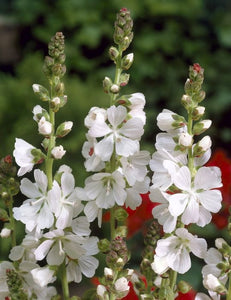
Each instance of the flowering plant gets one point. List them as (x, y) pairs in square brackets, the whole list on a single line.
[(58, 245)]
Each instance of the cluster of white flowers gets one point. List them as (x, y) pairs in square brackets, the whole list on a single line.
[(185, 196), (112, 150)]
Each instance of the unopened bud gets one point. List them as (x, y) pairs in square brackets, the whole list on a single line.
[(113, 53), (124, 78), (184, 287), (104, 245), (41, 91), (109, 274), (219, 242), (198, 112), (127, 61), (211, 283), (58, 152), (5, 233), (55, 104), (201, 126), (122, 287), (115, 89), (186, 101), (185, 139), (44, 127), (202, 146), (102, 292), (121, 214), (107, 83), (64, 128)]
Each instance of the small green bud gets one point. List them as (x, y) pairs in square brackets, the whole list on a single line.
[(59, 89), (201, 96), (127, 61), (4, 215), (41, 91), (104, 245), (39, 156), (186, 101), (121, 231), (64, 128), (113, 53), (107, 83), (55, 104), (124, 78), (183, 287), (121, 214)]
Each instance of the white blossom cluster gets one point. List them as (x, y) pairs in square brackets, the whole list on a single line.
[(185, 196), (57, 229), (112, 151)]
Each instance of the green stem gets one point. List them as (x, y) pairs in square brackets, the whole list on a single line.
[(65, 286), (190, 153), (12, 222), (173, 277), (50, 160), (118, 72), (112, 223)]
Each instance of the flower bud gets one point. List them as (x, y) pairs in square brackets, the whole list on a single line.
[(201, 126), (122, 287), (109, 274), (186, 100), (115, 89), (183, 287), (127, 61), (38, 156), (55, 104), (58, 152), (41, 91), (202, 146), (102, 292), (219, 242), (107, 83), (64, 128), (113, 53), (124, 78), (3, 215), (44, 127), (168, 120), (5, 233), (104, 245), (185, 140), (198, 112), (211, 283), (121, 214)]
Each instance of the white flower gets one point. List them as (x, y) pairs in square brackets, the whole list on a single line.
[(133, 199), (57, 245), (123, 135), (134, 167), (64, 201), (107, 189), (58, 152), (35, 212), (211, 283), (44, 126), (197, 199), (23, 156), (43, 276), (165, 120), (160, 264), (176, 249), (36, 87), (95, 114), (161, 211), (86, 264), (93, 162), (137, 101)]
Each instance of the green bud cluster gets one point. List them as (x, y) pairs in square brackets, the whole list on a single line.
[(123, 34), (118, 255), (15, 286)]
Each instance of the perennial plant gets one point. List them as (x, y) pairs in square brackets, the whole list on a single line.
[(184, 189)]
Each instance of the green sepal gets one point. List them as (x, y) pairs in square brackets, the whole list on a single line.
[(4, 215)]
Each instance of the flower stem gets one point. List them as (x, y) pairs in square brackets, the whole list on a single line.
[(190, 154), (50, 160), (112, 223), (65, 286), (173, 277), (12, 222)]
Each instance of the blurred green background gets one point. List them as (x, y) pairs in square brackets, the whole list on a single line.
[(169, 35)]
